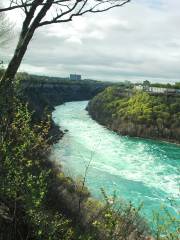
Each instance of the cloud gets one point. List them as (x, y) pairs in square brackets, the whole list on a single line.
[(138, 41)]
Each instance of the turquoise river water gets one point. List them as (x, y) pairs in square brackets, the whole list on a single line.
[(138, 170)]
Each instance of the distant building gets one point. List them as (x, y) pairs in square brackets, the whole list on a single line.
[(75, 77), (158, 90)]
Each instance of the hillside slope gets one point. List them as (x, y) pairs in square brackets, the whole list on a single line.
[(138, 114)]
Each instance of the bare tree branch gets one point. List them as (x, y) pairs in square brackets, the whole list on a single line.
[(94, 9), (14, 7), (25, 4), (44, 12)]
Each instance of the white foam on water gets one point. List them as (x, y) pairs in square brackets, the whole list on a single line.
[(141, 162)]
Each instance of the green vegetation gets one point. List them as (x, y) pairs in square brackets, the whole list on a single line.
[(24, 180), (165, 224), (141, 114), (138, 113), (32, 206), (43, 91), (36, 200), (56, 80), (26, 177)]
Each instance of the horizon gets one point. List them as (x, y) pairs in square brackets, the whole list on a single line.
[(136, 42), (96, 79)]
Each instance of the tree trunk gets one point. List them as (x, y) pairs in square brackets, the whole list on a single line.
[(7, 92), (27, 32), (7, 82), (9, 75)]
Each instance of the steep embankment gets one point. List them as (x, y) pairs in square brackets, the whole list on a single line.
[(138, 114), (41, 92), (44, 93)]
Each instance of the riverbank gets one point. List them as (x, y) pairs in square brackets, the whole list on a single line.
[(69, 197), (43, 93), (138, 115), (72, 198), (138, 170)]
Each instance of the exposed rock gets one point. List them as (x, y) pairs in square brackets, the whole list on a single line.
[(44, 93)]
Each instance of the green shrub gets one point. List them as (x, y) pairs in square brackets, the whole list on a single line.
[(24, 179)]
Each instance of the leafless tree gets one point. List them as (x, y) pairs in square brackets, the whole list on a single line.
[(38, 13)]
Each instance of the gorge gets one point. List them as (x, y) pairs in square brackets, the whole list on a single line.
[(138, 170)]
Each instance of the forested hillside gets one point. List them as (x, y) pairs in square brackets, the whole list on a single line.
[(138, 114)]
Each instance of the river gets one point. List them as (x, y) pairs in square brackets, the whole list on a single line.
[(139, 170)]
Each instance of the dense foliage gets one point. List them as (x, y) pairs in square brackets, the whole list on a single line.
[(26, 176), (24, 182), (138, 113)]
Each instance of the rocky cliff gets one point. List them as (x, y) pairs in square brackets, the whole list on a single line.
[(42, 94)]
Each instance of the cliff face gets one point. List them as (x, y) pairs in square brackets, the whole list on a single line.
[(41, 94), (138, 114)]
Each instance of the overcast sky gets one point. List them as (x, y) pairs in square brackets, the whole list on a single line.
[(136, 42)]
